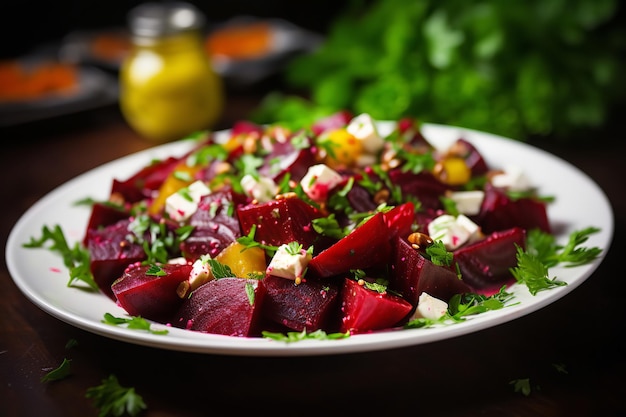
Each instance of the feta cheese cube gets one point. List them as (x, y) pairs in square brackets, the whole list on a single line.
[(289, 264), (200, 272), (319, 180), (513, 179), (262, 189), (468, 202), (429, 307), (364, 129), (452, 231), (182, 204)]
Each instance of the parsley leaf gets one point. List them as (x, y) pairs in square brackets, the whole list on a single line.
[(112, 399), (532, 272), (61, 372), (291, 337), (135, 323), (75, 258)]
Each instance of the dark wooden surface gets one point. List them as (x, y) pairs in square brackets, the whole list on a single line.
[(463, 376)]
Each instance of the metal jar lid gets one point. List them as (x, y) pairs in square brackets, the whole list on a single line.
[(153, 20)]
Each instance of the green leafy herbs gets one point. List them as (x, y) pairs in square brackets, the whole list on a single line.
[(479, 65), (112, 399), (461, 306), (522, 386), (135, 323), (61, 372), (249, 242), (75, 258), (291, 337), (543, 252), (220, 270), (157, 240)]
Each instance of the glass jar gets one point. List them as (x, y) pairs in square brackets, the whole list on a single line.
[(168, 88)]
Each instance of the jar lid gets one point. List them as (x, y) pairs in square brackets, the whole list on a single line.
[(162, 19)]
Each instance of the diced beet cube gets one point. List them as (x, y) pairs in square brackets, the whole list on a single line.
[(280, 221), (500, 212), (214, 226), (146, 180), (400, 220), (424, 185), (413, 274), (364, 310), (310, 305), (367, 245), (473, 159), (227, 306), (245, 127), (103, 215), (110, 253), (150, 296), (485, 265), (286, 158)]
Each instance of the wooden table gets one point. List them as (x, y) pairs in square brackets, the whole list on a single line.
[(464, 376)]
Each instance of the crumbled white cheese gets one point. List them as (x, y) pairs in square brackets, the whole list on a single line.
[(429, 307), (512, 178), (262, 189), (200, 272), (468, 202), (453, 231), (287, 264), (182, 204), (364, 129), (319, 180)]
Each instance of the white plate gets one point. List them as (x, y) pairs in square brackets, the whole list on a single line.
[(41, 276)]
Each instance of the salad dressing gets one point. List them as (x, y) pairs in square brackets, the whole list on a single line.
[(168, 88)]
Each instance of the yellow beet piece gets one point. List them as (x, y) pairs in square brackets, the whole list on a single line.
[(454, 171), (181, 176), (343, 148), (243, 261)]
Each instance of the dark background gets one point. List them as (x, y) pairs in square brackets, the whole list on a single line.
[(26, 25)]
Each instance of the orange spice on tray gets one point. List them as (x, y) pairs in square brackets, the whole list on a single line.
[(19, 81), (240, 41)]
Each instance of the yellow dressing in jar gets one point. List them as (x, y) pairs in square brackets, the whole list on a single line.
[(168, 88)]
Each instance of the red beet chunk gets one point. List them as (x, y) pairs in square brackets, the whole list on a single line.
[(424, 185), (280, 221), (310, 305), (146, 180), (413, 274), (286, 158), (366, 246), (150, 296), (364, 310), (214, 227), (400, 220), (473, 158), (104, 215), (110, 254), (500, 212), (223, 306), (485, 265)]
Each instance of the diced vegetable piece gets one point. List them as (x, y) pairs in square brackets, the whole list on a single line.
[(243, 261), (413, 274), (103, 215), (111, 252), (485, 265), (367, 245), (227, 306), (364, 310), (149, 295), (214, 226), (181, 176), (424, 185), (500, 212), (310, 305), (280, 221), (145, 181)]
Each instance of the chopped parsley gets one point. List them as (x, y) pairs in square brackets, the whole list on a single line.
[(112, 399)]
